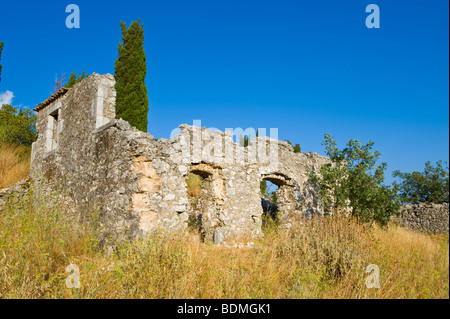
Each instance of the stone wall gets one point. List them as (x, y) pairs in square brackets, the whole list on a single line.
[(14, 194), (91, 162), (430, 218), (138, 183)]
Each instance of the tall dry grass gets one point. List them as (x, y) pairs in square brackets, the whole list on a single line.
[(14, 164), (320, 259), (194, 185)]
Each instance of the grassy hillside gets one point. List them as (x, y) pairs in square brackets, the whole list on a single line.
[(14, 164), (39, 239)]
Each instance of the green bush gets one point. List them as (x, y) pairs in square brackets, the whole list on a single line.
[(353, 182), (17, 126), (431, 185)]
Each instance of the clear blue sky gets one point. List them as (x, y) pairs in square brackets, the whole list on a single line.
[(304, 67)]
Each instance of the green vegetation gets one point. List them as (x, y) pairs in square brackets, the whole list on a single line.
[(431, 185), (264, 188), (130, 72), (326, 258), (74, 79), (40, 237), (244, 140), (353, 182), (266, 193), (297, 148), (17, 126), (17, 133)]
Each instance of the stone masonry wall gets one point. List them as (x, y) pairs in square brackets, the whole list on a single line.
[(13, 194), (138, 183), (430, 218), (91, 163)]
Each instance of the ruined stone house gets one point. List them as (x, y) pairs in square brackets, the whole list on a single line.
[(138, 183)]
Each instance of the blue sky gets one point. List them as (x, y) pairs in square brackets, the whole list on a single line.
[(304, 67)]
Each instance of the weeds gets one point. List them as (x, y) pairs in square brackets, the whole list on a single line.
[(14, 164), (321, 258)]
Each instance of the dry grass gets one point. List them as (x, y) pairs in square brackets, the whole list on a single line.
[(194, 185), (14, 164), (320, 259)]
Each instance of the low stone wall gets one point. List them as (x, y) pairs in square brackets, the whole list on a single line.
[(13, 194), (430, 218)]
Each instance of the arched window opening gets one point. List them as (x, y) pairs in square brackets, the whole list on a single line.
[(277, 200)]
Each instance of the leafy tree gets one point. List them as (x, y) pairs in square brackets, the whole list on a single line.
[(74, 79), (130, 72), (273, 197), (17, 126), (354, 182), (1, 48), (297, 148), (431, 185)]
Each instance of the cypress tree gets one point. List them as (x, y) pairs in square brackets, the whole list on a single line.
[(130, 71), (74, 79), (1, 48)]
